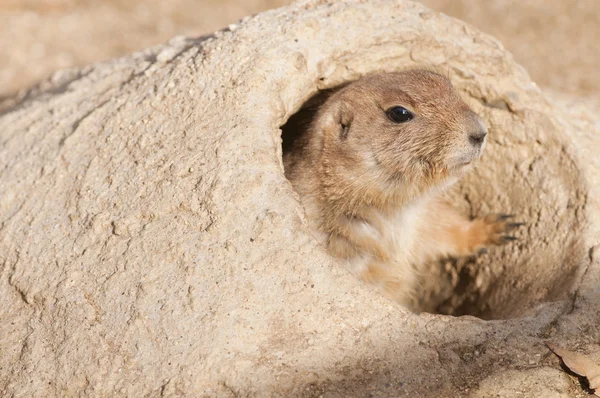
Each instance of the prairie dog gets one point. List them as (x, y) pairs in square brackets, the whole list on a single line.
[(371, 169)]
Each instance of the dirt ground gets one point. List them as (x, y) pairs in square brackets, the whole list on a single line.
[(553, 39)]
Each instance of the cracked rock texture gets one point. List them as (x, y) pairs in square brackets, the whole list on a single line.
[(150, 244)]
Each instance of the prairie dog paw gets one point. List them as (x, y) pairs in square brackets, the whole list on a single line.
[(493, 229)]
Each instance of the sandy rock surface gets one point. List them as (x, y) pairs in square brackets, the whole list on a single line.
[(150, 244)]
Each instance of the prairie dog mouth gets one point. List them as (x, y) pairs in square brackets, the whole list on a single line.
[(464, 160)]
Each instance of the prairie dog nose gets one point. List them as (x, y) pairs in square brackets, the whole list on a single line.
[(476, 138), (475, 129)]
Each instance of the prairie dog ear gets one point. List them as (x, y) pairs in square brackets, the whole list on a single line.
[(345, 118), (333, 123)]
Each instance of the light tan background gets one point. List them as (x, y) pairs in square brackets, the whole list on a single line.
[(555, 40)]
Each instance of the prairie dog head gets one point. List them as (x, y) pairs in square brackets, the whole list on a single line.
[(395, 134)]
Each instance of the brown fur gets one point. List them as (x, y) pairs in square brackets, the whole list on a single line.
[(372, 187)]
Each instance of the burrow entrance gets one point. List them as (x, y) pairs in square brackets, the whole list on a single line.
[(525, 171)]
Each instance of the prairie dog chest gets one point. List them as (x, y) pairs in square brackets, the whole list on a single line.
[(400, 232), (397, 236)]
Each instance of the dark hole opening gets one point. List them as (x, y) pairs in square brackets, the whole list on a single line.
[(299, 122)]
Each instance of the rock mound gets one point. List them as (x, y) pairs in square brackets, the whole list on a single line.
[(150, 244)]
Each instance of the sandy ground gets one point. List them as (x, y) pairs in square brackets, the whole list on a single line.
[(38, 37), (553, 39)]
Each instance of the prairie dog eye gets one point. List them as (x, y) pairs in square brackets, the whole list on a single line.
[(398, 114)]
